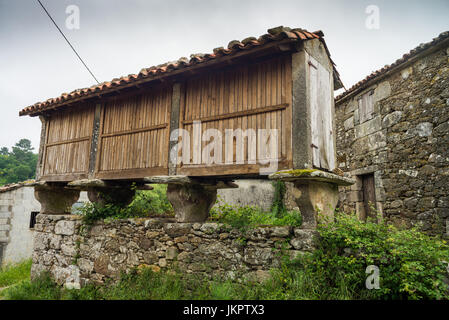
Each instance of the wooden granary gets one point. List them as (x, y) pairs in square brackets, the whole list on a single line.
[(260, 106)]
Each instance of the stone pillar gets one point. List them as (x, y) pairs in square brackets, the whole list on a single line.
[(117, 196), (55, 199), (315, 198), (315, 193), (191, 202)]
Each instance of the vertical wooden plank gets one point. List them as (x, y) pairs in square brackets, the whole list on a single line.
[(42, 144)]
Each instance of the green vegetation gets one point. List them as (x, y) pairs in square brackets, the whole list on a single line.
[(19, 164), (246, 217), (155, 203), (278, 206), (12, 274), (145, 284), (146, 203), (300, 172), (412, 266)]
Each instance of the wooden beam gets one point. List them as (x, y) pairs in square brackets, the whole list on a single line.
[(40, 160), (65, 177), (67, 141), (239, 114), (126, 132), (131, 174)]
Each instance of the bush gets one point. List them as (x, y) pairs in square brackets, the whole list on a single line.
[(278, 206), (153, 202), (145, 204), (412, 264), (244, 217)]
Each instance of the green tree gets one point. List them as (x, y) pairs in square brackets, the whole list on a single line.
[(19, 164)]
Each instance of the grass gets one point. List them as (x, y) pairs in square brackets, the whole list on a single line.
[(12, 274), (288, 283), (412, 266)]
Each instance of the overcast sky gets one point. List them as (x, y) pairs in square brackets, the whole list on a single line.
[(116, 38)]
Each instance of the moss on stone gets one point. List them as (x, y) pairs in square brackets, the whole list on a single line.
[(299, 172)]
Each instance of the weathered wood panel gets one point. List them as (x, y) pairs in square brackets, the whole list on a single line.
[(369, 196), (321, 115), (134, 135), (250, 97), (67, 143)]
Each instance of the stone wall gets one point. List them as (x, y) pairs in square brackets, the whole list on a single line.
[(75, 255), (251, 192), (405, 144), (17, 201)]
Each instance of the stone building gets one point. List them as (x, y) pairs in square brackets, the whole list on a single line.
[(393, 138), (17, 205), (18, 210)]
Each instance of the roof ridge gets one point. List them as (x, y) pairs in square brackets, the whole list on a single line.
[(273, 34)]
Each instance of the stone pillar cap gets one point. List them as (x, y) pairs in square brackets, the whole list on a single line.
[(311, 174)]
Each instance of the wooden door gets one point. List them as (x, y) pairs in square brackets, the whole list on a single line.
[(323, 154), (369, 195)]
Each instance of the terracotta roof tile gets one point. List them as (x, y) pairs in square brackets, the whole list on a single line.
[(274, 34), (406, 57)]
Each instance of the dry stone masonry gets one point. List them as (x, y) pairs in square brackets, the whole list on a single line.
[(402, 142), (75, 255)]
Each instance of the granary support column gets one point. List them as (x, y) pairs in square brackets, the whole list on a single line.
[(315, 193), (55, 198), (102, 193), (191, 198), (120, 197)]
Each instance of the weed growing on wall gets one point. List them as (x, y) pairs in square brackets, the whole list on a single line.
[(147, 203), (244, 217), (278, 206)]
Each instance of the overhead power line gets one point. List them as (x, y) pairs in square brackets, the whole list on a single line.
[(62, 33)]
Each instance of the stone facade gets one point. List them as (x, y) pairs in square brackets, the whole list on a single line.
[(16, 236), (17, 201), (251, 192), (75, 255), (404, 143)]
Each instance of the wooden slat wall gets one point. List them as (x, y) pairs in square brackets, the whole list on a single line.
[(256, 96), (134, 135), (68, 141)]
